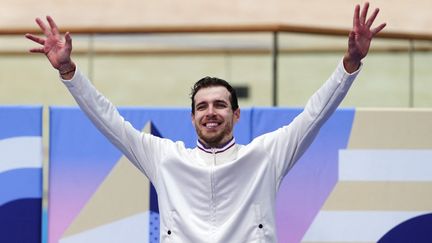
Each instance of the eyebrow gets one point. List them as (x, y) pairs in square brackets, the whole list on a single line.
[(221, 101), (215, 101)]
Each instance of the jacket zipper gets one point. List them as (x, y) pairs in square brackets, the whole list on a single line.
[(212, 203)]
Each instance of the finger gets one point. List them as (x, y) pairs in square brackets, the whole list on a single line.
[(371, 19), (42, 26), (35, 39), (68, 40), (37, 50), (378, 29), (356, 15), (53, 25), (364, 13)]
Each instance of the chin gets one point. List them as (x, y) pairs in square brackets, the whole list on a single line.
[(214, 140)]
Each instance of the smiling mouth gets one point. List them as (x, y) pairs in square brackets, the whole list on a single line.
[(211, 124)]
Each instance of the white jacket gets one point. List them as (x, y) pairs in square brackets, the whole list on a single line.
[(224, 195)]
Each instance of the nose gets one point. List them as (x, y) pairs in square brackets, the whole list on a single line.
[(210, 111)]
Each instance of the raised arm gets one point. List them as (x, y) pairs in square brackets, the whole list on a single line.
[(141, 149), (57, 50), (288, 144), (360, 37)]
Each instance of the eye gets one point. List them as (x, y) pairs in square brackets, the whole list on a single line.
[(200, 107), (221, 104)]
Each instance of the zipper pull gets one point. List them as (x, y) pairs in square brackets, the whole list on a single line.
[(214, 156)]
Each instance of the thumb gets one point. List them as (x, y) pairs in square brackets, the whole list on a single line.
[(68, 40)]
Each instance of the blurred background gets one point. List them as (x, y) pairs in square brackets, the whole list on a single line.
[(276, 53)]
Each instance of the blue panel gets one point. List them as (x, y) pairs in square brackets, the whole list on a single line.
[(20, 189), (20, 221), (17, 121)]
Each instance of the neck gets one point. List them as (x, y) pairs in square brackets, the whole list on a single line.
[(215, 148)]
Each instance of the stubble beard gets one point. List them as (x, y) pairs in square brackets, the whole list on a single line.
[(214, 140)]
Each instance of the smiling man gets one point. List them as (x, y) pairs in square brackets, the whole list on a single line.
[(219, 191), (215, 110)]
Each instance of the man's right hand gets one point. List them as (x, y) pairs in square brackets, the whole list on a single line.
[(57, 50)]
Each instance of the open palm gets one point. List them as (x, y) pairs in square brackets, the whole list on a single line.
[(361, 35), (56, 49)]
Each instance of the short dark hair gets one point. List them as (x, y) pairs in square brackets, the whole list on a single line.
[(211, 82)]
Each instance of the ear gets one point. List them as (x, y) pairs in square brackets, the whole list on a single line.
[(236, 115)]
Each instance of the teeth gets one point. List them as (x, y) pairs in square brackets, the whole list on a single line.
[(211, 124)]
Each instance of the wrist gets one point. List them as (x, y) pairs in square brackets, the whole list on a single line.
[(67, 70), (351, 64)]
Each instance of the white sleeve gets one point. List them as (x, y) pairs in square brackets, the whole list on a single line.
[(286, 145), (143, 150)]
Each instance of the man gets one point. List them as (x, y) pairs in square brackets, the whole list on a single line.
[(219, 191)]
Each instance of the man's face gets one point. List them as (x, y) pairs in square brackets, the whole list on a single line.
[(214, 118)]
